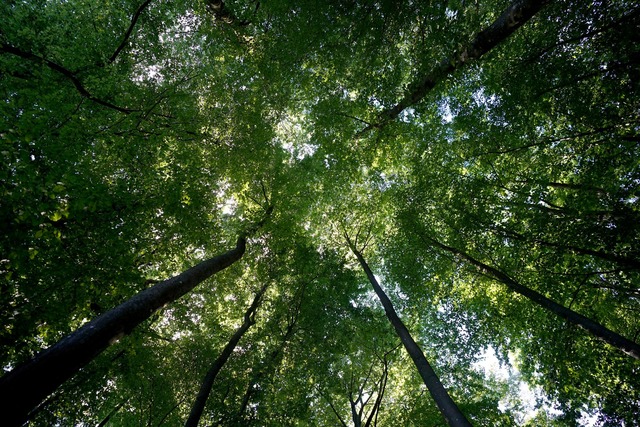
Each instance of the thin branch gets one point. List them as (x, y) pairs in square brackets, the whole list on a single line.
[(127, 34), (357, 119), (112, 413), (334, 409), (6, 48), (164, 418), (264, 193)]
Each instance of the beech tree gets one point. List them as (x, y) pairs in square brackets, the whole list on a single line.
[(218, 364), (447, 406), (28, 384), (488, 151)]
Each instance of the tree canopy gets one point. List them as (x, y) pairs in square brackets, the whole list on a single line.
[(476, 162)]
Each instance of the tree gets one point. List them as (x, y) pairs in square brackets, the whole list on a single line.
[(217, 365), (489, 146), (28, 384), (447, 406), (627, 346)]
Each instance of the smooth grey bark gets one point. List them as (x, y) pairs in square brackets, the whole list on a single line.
[(218, 364), (512, 18), (623, 344), (22, 389), (452, 414)]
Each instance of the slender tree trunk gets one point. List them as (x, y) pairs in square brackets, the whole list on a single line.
[(618, 259), (207, 383), (382, 385), (446, 405), (512, 18), (356, 416), (22, 389), (274, 359), (618, 341), (110, 415)]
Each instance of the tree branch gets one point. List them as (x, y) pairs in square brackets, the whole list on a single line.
[(6, 48), (127, 34)]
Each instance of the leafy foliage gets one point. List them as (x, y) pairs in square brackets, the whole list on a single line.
[(141, 137)]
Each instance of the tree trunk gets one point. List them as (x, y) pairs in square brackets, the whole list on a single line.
[(621, 343), (22, 389), (110, 415), (382, 386), (446, 405), (274, 359), (207, 383), (512, 18), (623, 261), (356, 416)]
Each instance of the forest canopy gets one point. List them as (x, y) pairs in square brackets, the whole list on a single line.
[(345, 213)]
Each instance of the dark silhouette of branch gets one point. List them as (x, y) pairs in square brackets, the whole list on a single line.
[(333, 409), (127, 34), (219, 10), (110, 415), (623, 344), (69, 75)]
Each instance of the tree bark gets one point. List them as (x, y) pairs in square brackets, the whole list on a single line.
[(618, 341), (446, 405), (110, 415), (22, 389), (207, 383), (512, 18)]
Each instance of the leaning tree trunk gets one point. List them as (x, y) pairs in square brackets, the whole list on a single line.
[(512, 18), (275, 358), (22, 389), (207, 383), (452, 414), (268, 365), (618, 341), (110, 415)]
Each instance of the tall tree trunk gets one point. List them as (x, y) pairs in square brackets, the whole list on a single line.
[(207, 383), (274, 359), (446, 405), (512, 18), (22, 389), (618, 341)]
